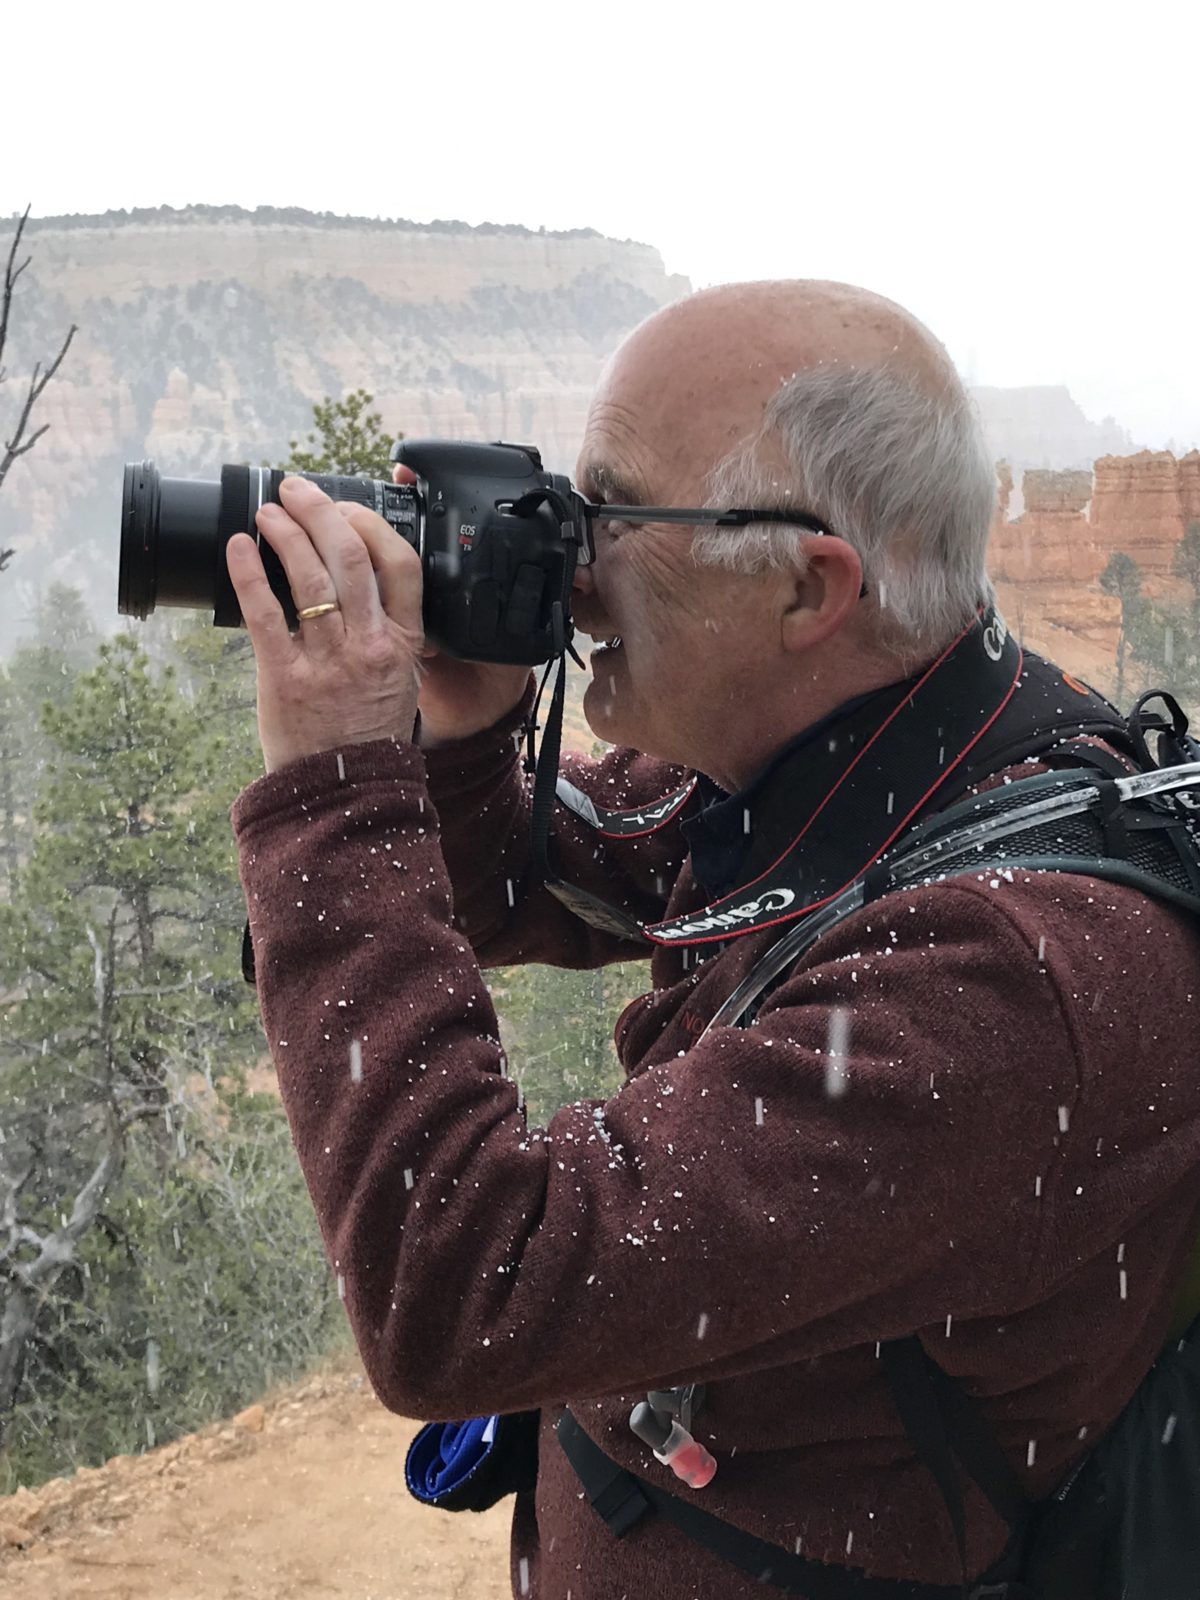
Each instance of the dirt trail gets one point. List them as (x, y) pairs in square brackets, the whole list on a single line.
[(301, 1496)]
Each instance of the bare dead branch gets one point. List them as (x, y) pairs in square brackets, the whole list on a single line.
[(165, 988), (10, 278), (57, 1249), (25, 1286), (144, 1111), (13, 1187), (19, 445), (38, 380)]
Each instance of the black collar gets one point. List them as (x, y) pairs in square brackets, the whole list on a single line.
[(719, 834)]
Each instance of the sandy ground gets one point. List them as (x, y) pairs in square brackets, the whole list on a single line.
[(301, 1496)]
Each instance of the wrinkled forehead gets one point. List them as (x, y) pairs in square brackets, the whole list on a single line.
[(664, 413)]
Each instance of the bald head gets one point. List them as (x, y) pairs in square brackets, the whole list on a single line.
[(814, 396), (697, 377)]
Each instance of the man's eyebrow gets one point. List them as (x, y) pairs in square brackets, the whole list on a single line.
[(613, 486)]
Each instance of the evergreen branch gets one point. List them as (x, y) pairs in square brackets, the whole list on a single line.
[(163, 988)]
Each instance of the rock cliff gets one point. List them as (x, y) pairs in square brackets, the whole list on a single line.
[(1046, 563)]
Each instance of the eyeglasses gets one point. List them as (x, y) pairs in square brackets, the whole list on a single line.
[(738, 517)]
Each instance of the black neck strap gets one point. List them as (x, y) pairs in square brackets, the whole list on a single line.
[(828, 811)]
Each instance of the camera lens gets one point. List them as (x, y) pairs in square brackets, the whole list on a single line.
[(174, 532), (189, 512)]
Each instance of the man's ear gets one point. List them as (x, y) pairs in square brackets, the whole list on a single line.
[(823, 594)]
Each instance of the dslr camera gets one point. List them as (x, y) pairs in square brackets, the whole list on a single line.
[(499, 540)]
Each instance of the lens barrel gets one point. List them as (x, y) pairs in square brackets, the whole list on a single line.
[(174, 532)]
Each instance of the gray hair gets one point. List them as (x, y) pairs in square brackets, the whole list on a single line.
[(901, 473)]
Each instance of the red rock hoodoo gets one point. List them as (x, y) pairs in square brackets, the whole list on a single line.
[(1046, 563)]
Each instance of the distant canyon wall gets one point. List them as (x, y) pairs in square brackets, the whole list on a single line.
[(1046, 564)]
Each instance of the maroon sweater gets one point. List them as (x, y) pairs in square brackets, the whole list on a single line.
[(1013, 1170)]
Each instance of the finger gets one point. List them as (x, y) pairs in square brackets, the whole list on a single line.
[(394, 578), (401, 474), (339, 551), (261, 611), (309, 580), (397, 566)]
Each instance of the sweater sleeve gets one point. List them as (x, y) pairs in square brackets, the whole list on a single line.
[(724, 1200), (483, 799)]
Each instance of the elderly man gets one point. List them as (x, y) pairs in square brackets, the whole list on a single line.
[(957, 1115)]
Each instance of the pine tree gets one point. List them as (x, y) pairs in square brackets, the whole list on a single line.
[(351, 440), (1186, 564), (118, 972), (1163, 637), (214, 668), (1122, 578), (557, 1029), (41, 672)]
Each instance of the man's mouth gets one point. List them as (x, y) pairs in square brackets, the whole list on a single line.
[(600, 641)]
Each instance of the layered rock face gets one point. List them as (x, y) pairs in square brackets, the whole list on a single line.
[(1046, 563), (206, 335)]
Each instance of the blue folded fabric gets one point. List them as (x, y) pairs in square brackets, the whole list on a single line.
[(468, 1466), (445, 1454)]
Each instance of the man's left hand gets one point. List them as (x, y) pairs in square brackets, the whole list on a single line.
[(350, 674)]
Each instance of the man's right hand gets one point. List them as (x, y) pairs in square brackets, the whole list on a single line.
[(459, 698)]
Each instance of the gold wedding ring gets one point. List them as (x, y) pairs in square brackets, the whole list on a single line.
[(317, 611)]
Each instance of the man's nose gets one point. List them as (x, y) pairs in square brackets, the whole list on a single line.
[(583, 582)]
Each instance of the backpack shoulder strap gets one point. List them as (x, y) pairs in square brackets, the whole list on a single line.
[(622, 1500), (1187, 1303), (942, 1422)]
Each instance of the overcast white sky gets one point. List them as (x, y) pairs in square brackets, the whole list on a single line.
[(1022, 176)]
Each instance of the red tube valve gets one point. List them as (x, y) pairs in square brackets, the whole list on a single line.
[(687, 1459)]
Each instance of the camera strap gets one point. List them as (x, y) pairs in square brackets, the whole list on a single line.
[(590, 908), (833, 803)]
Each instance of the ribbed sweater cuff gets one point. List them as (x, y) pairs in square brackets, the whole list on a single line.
[(315, 777), (483, 760)]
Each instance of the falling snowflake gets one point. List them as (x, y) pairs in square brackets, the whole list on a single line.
[(837, 1042)]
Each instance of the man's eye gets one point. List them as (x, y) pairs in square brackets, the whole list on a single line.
[(627, 530)]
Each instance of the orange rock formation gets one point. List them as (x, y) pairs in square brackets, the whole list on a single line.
[(1046, 563)]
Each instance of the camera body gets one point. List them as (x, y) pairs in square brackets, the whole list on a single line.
[(498, 536), (501, 541)]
